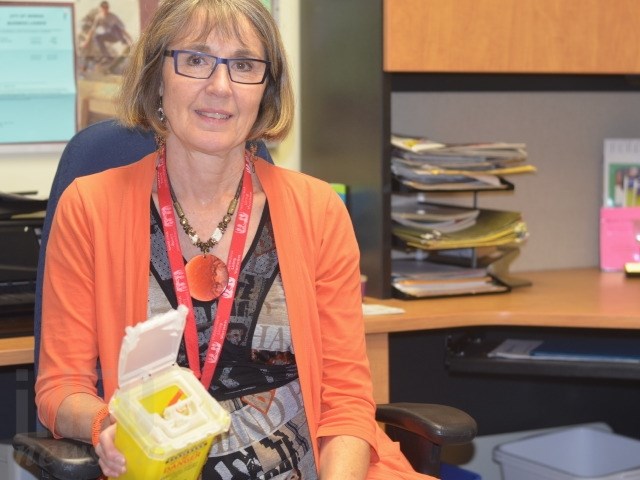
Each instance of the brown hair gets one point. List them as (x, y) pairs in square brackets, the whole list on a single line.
[(139, 96)]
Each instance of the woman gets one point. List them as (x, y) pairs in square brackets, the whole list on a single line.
[(206, 76)]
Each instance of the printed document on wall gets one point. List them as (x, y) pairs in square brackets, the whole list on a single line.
[(621, 172), (37, 84)]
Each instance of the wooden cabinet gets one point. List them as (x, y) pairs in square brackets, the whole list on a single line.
[(512, 36)]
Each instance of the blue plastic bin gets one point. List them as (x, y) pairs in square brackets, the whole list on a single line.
[(452, 472)]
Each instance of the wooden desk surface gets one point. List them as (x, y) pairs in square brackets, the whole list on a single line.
[(16, 351), (581, 298)]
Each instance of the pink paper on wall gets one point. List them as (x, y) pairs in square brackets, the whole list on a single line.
[(619, 237)]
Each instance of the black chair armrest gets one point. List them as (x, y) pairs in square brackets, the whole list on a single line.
[(440, 424), (422, 429), (63, 459)]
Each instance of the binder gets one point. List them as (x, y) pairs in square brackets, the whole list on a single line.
[(589, 349)]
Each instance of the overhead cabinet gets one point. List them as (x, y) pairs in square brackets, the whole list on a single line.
[(512, 36)]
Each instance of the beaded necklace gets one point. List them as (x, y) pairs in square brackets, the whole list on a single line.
[(216, 236)]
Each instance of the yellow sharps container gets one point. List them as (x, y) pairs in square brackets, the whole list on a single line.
[(166, 418)]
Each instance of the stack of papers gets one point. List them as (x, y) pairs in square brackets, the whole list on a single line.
[(410, 211), (491, 228), (423, 164), (425, 279)]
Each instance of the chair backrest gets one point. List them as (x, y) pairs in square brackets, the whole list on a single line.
[(98, 147)]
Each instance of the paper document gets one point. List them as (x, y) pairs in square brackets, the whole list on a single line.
[(515, 349), (37, 85), (621, 172), (376, 309)]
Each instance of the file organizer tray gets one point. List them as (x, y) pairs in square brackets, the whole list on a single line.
[(166, 418)]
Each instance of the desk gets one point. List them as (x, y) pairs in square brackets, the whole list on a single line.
[(576, 298), (580, 298)]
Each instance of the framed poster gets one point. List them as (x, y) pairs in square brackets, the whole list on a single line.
[(105, 30)]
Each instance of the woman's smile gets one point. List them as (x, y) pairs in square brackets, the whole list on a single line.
[(215, 115)]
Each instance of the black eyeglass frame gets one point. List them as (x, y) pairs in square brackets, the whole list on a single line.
[(218, 60)]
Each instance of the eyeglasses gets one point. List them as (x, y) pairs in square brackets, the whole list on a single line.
[(201, 65)]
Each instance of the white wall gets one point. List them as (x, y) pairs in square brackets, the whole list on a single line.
[(287, 154), (28, 170)]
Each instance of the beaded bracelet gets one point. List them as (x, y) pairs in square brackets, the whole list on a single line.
[(96, 424)]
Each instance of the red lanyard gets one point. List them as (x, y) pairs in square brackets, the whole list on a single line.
[(178, 274)]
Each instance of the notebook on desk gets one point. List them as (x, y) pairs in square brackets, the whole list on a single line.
[(19, 250)]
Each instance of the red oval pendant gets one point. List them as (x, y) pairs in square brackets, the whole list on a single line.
[(207, 276)]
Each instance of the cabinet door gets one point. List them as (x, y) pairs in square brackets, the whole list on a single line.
[(512, 36)]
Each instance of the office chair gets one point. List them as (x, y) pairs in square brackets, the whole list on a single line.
[(421, 429)]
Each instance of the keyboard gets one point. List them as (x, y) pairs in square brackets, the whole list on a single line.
[(17, 294), (16, 308), (16, 325)]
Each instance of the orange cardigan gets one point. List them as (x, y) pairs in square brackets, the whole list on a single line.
[(97, 278)]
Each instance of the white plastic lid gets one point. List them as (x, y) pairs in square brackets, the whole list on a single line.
[(151, 346)]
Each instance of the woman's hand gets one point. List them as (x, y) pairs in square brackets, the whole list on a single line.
[(111, 461)]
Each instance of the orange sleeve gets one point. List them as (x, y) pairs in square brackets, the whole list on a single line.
[(68, 350), (347, 405)]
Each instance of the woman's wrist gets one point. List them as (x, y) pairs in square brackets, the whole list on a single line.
[(98, 424)]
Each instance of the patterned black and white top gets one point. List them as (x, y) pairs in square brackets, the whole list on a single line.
[(257, 378)]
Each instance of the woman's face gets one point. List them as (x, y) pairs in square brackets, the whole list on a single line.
[(214, 115)]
